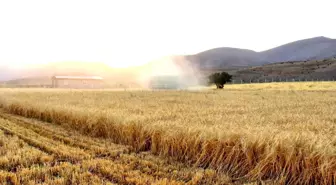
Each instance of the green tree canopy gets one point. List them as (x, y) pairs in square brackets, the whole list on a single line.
[(219, 79)]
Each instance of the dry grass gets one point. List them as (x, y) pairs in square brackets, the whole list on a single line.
[(287, 135), (297, 86)]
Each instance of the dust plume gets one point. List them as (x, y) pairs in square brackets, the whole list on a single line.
[(175, 66)]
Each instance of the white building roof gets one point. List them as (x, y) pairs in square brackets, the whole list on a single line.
[(79, 77)]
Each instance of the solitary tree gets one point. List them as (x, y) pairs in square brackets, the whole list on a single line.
[(219, 79)]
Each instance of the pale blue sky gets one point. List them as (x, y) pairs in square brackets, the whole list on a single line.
[(124, 33)]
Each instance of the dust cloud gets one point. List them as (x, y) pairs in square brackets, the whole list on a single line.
[(177, 66)]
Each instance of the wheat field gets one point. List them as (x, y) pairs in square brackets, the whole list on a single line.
[(275, 133)]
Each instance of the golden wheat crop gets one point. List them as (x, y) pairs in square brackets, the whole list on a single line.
[(279, 132), (315, 86)]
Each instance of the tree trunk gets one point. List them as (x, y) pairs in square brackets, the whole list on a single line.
[(219, 86)]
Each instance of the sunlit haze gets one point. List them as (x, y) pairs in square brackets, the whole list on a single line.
[(127, 33)]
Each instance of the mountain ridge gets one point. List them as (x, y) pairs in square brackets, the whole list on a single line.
[(315, 48)]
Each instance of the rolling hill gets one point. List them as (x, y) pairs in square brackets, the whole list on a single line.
[(307, 70), (316, 48), (224, 57), (309, 49)]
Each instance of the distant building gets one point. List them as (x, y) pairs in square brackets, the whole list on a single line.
[(79, 82)]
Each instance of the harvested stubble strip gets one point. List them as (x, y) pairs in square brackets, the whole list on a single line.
[(8, 178), (63, 173), (243, 157), (72, 139), (16, 154), (162, 169), (121, 173), (59, 150), (90, 171)]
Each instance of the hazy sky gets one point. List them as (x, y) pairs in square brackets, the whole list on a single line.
[(125, 32)]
